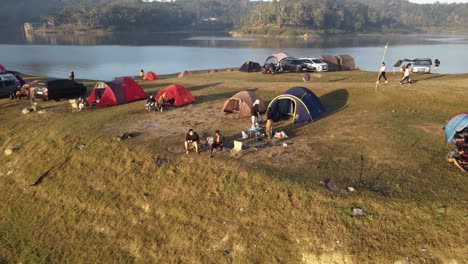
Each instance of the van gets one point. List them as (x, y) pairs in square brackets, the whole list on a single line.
[(56, 89), (421, 66)]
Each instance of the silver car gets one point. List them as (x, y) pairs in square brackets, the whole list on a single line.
[(315, 65), (8, 84)]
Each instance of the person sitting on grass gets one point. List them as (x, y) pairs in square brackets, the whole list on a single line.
[(306, 77), (191, 139), (150, 103), (161, 102), (217, 142), (82, 103)]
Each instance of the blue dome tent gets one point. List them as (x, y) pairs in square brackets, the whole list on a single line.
[(300, 103), (456, 124)]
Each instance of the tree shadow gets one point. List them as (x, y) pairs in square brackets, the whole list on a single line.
[(201, 87), (334, 102)]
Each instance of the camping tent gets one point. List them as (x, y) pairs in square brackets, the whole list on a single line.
[(242, 102), (299, 102), (332, 61), (250, 66), (150, 76), (456, 124), (2, 68), (276, 58), (177, 92), (184, 74), (118, 91), (346, 62)]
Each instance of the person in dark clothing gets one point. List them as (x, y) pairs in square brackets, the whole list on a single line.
[(151, 103), (72, 76), (436, 65), (269, 123), (191, 139), (217, 142), (254, 112)]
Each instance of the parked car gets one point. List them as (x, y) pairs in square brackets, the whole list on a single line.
[(56, 89), (315, 65), (292, 65), (8, 84), (421, 66)]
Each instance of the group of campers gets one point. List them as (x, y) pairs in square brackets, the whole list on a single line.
[(405, 69), (459, 155), (158, 105)]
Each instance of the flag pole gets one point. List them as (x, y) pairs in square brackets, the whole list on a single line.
[(380, 65)]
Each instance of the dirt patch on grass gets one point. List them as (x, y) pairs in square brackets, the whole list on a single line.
[(431, 129)]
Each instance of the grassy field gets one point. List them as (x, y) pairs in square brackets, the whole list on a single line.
[(110, 202)]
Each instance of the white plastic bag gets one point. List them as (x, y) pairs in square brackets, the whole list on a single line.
[(244, 135)]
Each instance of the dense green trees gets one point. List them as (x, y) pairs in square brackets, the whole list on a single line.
[(273, 17)]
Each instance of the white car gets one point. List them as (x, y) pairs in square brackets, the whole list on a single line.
[(421, 66), (315, 65)]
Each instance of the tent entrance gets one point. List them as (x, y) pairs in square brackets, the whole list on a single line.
[(286, 108), (232, 105)]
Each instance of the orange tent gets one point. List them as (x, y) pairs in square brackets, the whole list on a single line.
[(150, 76)]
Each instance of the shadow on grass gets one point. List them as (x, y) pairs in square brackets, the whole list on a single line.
[(340, 79), (201, 87), (214, 97), (433, 76), (334, 102)]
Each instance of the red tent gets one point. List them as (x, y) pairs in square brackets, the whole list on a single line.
[(2, 68), (149, 76), (177, 92), (118, 91)]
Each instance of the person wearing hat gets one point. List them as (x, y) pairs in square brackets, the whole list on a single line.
[(254, 112), (216, 142)]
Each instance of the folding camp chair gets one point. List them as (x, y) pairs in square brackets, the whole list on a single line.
[(74, 105), (236, 151)]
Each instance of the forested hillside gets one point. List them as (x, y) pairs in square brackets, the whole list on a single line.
[(292, 17)]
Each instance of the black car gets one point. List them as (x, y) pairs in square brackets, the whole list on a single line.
[(56, 89), (292, 65)]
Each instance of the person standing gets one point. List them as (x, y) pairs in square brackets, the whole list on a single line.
[(254, 113), (436, 65), (407, 74), (142, 73), (382, 73), (269, 123), (191, 139), (71, 76)]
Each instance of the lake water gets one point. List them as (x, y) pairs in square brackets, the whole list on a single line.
[(106, 57)]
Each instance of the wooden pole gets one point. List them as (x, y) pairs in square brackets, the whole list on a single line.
[(380, 65)]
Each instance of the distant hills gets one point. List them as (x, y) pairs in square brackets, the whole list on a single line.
[(286, 17)]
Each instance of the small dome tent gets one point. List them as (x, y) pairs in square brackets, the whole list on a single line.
[(184, 74), (250, 66), (118, 91), (456, 124), (178, 93), (2, 68), (299, 102), (242, 102), (150, 76)]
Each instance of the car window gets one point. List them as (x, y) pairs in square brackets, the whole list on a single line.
[(317, 61), (422, 63), (307, 61)]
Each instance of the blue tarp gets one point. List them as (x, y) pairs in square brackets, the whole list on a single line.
[(457, 123)]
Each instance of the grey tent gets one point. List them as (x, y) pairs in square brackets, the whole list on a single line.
[(346, 62), (332, 61)]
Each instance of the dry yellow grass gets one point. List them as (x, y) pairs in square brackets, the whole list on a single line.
[(109, 202)]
